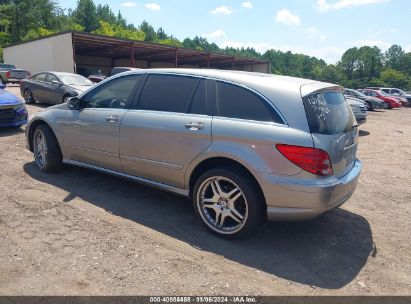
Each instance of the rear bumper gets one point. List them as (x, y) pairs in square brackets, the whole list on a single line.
[(289, 199)]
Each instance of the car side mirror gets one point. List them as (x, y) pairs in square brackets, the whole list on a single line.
[(74, 103), (55, 82)]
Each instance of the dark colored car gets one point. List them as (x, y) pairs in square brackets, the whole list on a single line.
[(96, 78), (13, 112), (391, 101), (371, 102), (53, 87)]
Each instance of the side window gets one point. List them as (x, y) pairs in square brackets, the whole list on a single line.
[(236, 102), (113, 94), (374, 94), (50, 78), (40, 77), (386, 90), (199, 102), (168, 93), (394, 91)]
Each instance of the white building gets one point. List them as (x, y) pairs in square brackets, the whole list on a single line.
[(84, 53)]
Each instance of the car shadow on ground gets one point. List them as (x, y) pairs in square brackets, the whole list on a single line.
[(9, 131), (327, 252), (40, 105), (363, 133)]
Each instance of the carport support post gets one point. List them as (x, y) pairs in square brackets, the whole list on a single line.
[(132, 55), (176, 58)]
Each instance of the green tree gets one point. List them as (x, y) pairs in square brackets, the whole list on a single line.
[(161, 35), (171, 42), (108, 29), (393, 57), (149, 31), (85, 14), (22, 16), (104, 13), (36, 33), (369, 63), (394, 78), (349, 62)]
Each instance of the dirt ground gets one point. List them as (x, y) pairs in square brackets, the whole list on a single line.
[(78, 232)]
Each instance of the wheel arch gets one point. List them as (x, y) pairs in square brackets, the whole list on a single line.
[(218, 162), (32, 127)]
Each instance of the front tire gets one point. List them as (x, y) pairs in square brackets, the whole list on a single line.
[(369, 106), (228, 202), (47, 153)]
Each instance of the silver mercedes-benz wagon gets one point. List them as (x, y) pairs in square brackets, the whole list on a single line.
[(245, 147)]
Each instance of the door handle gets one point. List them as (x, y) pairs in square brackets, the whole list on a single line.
[(194, 126), (112, 118)]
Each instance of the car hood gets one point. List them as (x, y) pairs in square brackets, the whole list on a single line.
[(80, 88), (8, 98), (355, 102)]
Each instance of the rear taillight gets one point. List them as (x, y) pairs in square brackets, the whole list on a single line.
[(8, 74), (313, 160)]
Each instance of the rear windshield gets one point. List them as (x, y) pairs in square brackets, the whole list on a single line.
[(328, 113)]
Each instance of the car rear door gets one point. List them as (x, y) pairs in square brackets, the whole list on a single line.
[(36, 85), (169, 126), (333, 128), (91, 133)]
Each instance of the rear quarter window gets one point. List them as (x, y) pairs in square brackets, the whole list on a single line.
[(236, 102), (328, 113)]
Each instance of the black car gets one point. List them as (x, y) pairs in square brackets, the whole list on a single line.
[(53, 87)]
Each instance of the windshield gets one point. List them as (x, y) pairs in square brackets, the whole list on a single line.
[(7, 66), (76, 80), (359, 93), (383, 93), (328, 113)]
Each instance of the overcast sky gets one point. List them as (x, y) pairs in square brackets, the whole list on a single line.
[(321, 28)]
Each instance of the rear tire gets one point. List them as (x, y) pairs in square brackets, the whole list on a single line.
[(228, 202), (28, 97), (47, 153)]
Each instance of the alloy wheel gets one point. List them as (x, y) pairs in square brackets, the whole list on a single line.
[(222, 205), (27, 97), (40, 148)]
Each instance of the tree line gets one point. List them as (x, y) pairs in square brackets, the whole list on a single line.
[(22, 20)]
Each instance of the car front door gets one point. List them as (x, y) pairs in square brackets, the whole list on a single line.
[(91, 133), (167, 129), (37, 86), (54, 90)]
